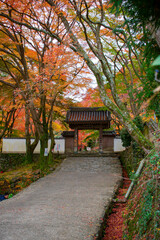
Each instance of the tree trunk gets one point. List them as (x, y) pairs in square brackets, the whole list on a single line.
[(35, 142), (30, 147), (44, 150), (44, 137), (29, 153), (50, 160)]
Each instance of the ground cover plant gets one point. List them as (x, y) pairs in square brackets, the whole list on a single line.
[(16, 178), (143, 211)]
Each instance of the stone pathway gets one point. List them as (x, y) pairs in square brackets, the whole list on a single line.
[(68, 204)]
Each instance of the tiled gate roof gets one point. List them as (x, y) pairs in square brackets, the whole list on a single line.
[(88, 118)]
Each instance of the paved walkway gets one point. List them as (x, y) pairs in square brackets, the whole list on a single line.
[(68, 204)]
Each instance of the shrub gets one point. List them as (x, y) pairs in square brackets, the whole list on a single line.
[(126, 137), (128, 141)]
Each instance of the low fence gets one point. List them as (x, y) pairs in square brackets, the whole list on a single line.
[(18, 145)]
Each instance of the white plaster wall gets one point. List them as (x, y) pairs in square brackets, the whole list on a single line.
[(19, 145), (13, 145), (59, 146), (118, 145)]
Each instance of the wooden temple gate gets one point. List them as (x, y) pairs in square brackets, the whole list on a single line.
[(85, 119)]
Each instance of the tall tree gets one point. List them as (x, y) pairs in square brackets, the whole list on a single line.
[(15, 67), (43, 74), (146, 15)]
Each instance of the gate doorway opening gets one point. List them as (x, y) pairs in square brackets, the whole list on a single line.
[(88, 141)]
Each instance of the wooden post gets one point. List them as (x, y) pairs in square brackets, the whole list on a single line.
[(100, 139), (76, 140)]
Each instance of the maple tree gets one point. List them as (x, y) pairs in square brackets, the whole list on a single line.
[(42, 76), (14, 66), (55, 78)]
